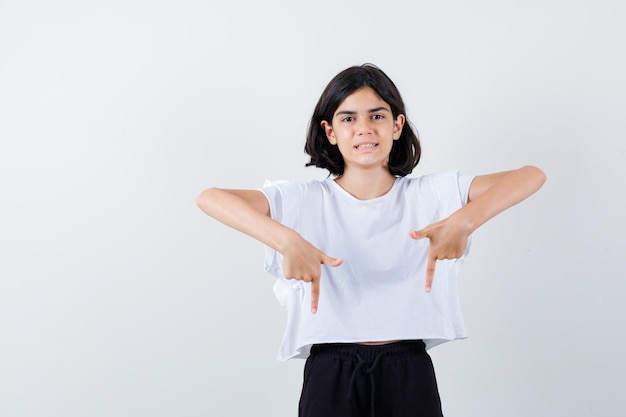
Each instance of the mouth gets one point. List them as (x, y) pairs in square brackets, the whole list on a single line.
[(365, 146)]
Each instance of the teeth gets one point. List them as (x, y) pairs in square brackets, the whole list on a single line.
[(366, 145)]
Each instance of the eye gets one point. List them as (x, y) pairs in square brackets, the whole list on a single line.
[(378, 117), (347, 119)]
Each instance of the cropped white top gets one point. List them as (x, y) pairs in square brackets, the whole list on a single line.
[(377, 294)]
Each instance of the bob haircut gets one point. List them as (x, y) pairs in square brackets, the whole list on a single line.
[(406, 150)]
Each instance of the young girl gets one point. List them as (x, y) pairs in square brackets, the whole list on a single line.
[(366, 261)]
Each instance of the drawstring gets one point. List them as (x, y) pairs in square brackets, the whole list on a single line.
[(370, 371)]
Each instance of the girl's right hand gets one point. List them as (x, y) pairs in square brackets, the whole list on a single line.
[(302, 261), (249, 212)]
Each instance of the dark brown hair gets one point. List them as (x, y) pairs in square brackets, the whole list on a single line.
[(405, 152)]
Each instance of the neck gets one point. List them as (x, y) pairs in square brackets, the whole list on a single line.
[(366, 184)]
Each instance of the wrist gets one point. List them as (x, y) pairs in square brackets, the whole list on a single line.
[(285, 238), (465, 220)]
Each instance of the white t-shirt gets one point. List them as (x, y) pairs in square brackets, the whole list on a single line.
[(377, 294)]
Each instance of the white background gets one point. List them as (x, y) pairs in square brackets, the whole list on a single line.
[(119, 297)]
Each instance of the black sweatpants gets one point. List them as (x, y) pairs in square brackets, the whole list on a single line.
[(352, 380)]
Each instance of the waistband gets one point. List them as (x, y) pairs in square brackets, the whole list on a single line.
[(370, 352)]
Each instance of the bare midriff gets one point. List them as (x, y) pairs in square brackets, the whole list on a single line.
[(378, 343)]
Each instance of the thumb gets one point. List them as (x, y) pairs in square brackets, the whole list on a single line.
[(418, 234), (327, 260)]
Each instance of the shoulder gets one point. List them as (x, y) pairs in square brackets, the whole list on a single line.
[(288, 198), (446, 186), (433, 181), (286, 190), (294, 186), (441, 179)]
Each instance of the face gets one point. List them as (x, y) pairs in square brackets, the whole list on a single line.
[(363, 127)]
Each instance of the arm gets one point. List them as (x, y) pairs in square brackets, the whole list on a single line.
[(248, 211), (489, 195)]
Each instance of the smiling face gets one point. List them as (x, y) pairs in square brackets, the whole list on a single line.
[(363, 127)]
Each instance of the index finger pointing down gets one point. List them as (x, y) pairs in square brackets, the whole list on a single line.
[(430, 271), (315, 295)]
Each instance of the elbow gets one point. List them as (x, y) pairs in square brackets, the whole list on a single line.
[(201, 199), (536, 175), (205, 198)]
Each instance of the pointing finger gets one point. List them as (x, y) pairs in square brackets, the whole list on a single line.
[(430, 271), (315, 295), (315, 283)]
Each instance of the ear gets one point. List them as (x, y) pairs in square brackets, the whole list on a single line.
[(330, 133), (398, 124)]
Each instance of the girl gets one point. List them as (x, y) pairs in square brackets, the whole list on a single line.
[(366, 261)]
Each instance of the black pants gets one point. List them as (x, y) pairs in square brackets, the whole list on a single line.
[(351, 380)]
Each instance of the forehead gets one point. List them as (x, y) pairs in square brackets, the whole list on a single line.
[(363, 99)]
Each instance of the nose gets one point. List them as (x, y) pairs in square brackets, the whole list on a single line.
[(363, 126)]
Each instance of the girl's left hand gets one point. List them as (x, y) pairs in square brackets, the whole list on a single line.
[(448, 240)]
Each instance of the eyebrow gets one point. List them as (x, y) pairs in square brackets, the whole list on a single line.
[(374, 110)]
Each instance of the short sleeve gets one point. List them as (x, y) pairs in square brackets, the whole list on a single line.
[(285, 199), (464, 181), (452, 189), (272, 192)]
